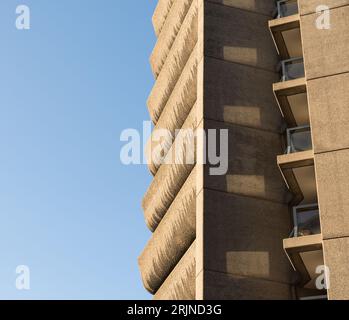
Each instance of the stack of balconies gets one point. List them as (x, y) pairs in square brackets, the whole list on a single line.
[(304, 246), (167, 263)]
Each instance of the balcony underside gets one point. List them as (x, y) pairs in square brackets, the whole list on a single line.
[(305, 254), (298, 172), (287, 37), (292, 99)]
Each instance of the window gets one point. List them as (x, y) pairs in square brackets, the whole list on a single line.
[(306, 220), (286, 8), (298, 139), (292, 69)]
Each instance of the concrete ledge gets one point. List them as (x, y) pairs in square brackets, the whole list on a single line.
[(306, 243), (295, 160), (287, 163), (290, 86), (176, 43), (277, 27), (284, 89), (294, 247)]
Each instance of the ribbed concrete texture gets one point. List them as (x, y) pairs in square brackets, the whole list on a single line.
[(180, 284), (167, 263), (172, 51), (163, 151), (215, 236), (171, 239), (178, 34), (160, 14)]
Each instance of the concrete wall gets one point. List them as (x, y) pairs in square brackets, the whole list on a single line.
[(242, 216), (309, 6), (326, 56)]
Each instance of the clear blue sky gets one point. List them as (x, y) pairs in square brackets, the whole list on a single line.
[(68, 87)]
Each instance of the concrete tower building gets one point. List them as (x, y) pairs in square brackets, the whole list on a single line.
[(274, 75)]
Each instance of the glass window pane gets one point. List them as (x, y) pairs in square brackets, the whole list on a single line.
[(308, 221), (294, 70), (300, 140), (287, 8)]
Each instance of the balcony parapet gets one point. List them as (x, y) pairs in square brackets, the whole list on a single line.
[(180, 284), (171, 239)]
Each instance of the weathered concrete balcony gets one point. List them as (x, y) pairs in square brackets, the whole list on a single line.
[(181, 117), (171, 239), (306, 255), (163, 190), (298, 172), (174, 55), (160, 14), (291, 96), (178, 37), (297, 165), (180, 284), (285, 29)]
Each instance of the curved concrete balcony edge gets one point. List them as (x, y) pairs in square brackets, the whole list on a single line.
[(175, 68), (171, 239), (170, 121), (163, 190), (180, 28), (180, 284)]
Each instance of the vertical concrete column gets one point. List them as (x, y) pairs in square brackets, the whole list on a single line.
[(326, 55), (241, 216)]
